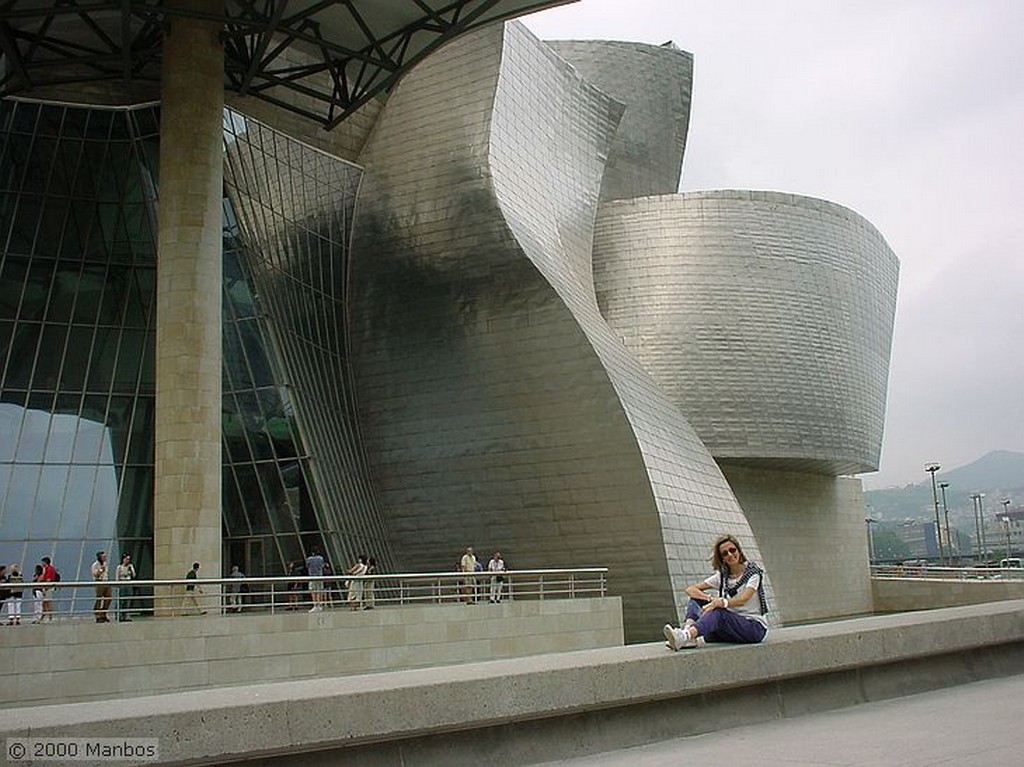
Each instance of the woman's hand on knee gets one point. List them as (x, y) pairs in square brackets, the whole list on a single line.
[(715, 604)]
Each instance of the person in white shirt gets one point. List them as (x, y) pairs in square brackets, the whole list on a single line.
[(355, 587), (99, 574), (234, 590), (727, 606), (124, 575), (494, 567), (468, 565)]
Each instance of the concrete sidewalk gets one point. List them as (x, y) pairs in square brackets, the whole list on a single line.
[(975, 723)]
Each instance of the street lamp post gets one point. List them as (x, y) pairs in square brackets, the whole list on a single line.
[(976, 501), (871, 539), (949, 535), (981, 516), (931, 468), (1006, 521)]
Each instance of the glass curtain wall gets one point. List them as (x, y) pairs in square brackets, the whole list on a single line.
[(269, 517), (77, 288), (78, 190), (293, 206)]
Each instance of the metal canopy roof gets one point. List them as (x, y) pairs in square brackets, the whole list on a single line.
[(351, 50)]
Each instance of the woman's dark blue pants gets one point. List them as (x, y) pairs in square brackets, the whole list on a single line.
[(724, 625)]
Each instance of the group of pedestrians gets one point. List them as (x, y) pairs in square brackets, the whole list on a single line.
[(468, 563), (11, 592), (360, 589), (40, 589), (123, 574), (43, 583), (40, 592)]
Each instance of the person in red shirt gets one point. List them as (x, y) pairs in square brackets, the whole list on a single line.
[(49, 578)]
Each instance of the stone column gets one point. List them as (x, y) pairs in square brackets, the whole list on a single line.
[(187, 494)]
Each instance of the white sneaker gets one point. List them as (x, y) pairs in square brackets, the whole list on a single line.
[(677, 639)]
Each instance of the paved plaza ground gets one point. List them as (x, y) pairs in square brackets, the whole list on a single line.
[(974, 724)]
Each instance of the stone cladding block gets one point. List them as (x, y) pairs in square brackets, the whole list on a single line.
[(811, 531), (187, 451)]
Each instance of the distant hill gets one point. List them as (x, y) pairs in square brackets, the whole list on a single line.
[(998, 470), (999, 474)]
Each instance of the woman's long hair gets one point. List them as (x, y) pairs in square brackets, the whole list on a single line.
[(716, 554)]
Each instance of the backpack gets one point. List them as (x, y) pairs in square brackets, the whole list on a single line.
[(56, 575)]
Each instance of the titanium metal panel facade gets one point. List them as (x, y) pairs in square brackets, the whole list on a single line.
[(654, 83), (499, 409), (767, 318)]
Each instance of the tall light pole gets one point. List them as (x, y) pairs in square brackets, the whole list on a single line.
[(975, 498), (931, 468), (981, 516), (945, 512), (979, 525), (869, 521), (1006, 521)]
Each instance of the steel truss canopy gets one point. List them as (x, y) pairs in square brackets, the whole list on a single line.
[(322, 60)]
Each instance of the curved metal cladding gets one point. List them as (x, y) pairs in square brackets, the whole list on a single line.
[(654, 82), (295, 206), (498, 408), (766, 317)]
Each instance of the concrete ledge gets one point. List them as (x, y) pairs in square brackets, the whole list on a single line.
[(79, 660), (555, 706), (898, 595)]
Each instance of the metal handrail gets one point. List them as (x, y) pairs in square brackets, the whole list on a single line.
[(292, 592), (934, 572)]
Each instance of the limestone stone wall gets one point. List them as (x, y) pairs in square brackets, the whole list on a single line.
[(65, 662), (813, 539), (919, 594)]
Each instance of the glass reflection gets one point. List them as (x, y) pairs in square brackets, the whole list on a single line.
[(76, 211), (77, 298)]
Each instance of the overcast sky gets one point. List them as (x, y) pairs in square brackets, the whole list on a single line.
[(910, 112)]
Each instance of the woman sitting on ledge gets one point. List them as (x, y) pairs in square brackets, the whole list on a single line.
[(736, 614)]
